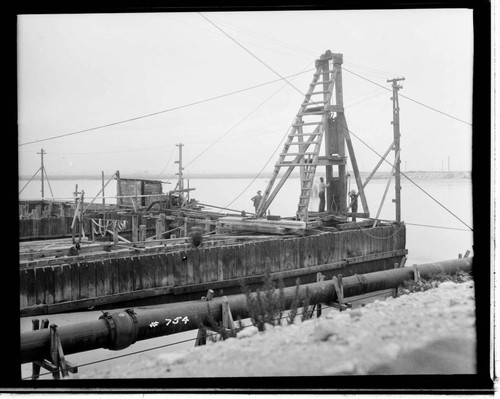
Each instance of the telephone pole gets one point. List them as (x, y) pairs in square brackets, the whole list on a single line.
[(397, 148), (180, 182), (42, 152)]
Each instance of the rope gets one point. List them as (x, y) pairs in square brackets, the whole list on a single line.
[(379, 238)]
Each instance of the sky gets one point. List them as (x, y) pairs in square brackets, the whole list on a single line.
[(80, 76)]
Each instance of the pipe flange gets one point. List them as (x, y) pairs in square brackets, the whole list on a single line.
[(123, 328)]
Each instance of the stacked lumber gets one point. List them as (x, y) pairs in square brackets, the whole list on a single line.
[(234, 224)]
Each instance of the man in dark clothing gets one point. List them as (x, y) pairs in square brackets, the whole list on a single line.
[(354, 203), (256, 200), (321, 193)]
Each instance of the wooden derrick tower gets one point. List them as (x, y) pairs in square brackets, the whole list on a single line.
[(321, 114)]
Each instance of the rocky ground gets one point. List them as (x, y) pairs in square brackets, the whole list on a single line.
[(430, 332)]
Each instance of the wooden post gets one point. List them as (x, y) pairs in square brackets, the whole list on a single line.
[(158, 229), (227, 317), (135, 228), (81, 231), (53, 351), (119, 201), (142, 232), (397, 149), (35, 366), (103, 196), (339, 100), (319, 277), (201, 338), (416, 274)]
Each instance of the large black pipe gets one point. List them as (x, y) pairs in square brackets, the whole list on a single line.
[(121, 329)]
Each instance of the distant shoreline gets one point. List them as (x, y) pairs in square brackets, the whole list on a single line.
[(364, 175)]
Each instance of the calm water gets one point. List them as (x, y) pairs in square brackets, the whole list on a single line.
[(424, 244)]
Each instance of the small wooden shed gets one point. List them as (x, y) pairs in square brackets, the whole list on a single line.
[(138, 192)]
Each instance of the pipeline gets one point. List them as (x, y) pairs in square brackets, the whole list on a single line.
[(120, 329)]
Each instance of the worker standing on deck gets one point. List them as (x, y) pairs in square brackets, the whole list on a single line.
[(354, 204), (321, 192), (256, 200)]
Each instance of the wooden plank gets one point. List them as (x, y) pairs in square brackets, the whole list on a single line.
[(169, 260), (200, 272), (23, 288), (227, 264), (92, 282), (220, 264), (238, 261), (100, 277), (341, 248), (58, 284), (242, 267), (124, 275), (289, 255), (127, 268), (161, 276), (267, 248), (256, 259), (192, 262), (47, 283), (330, 244), (212, 265), (136, 266), (108, 276), (75, 281), (148, 275), (114, 275), (309, 256), (157, 271), (275, 255), (180, 268), (66, 282), (84, 280)]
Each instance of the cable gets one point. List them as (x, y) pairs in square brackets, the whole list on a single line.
[(169, 158), (402, 173), (236, 125), (408, 98), (159, 112), (253, 55), (265, 165), (436, 227)]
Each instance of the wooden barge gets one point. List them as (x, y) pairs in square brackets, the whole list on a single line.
[(162, 274), (151, 257)]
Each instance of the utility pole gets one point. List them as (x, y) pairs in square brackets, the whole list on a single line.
[(180, 183), (397, 148), (42, 152)]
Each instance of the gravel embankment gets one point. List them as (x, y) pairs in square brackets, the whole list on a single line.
[(421, 333)]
